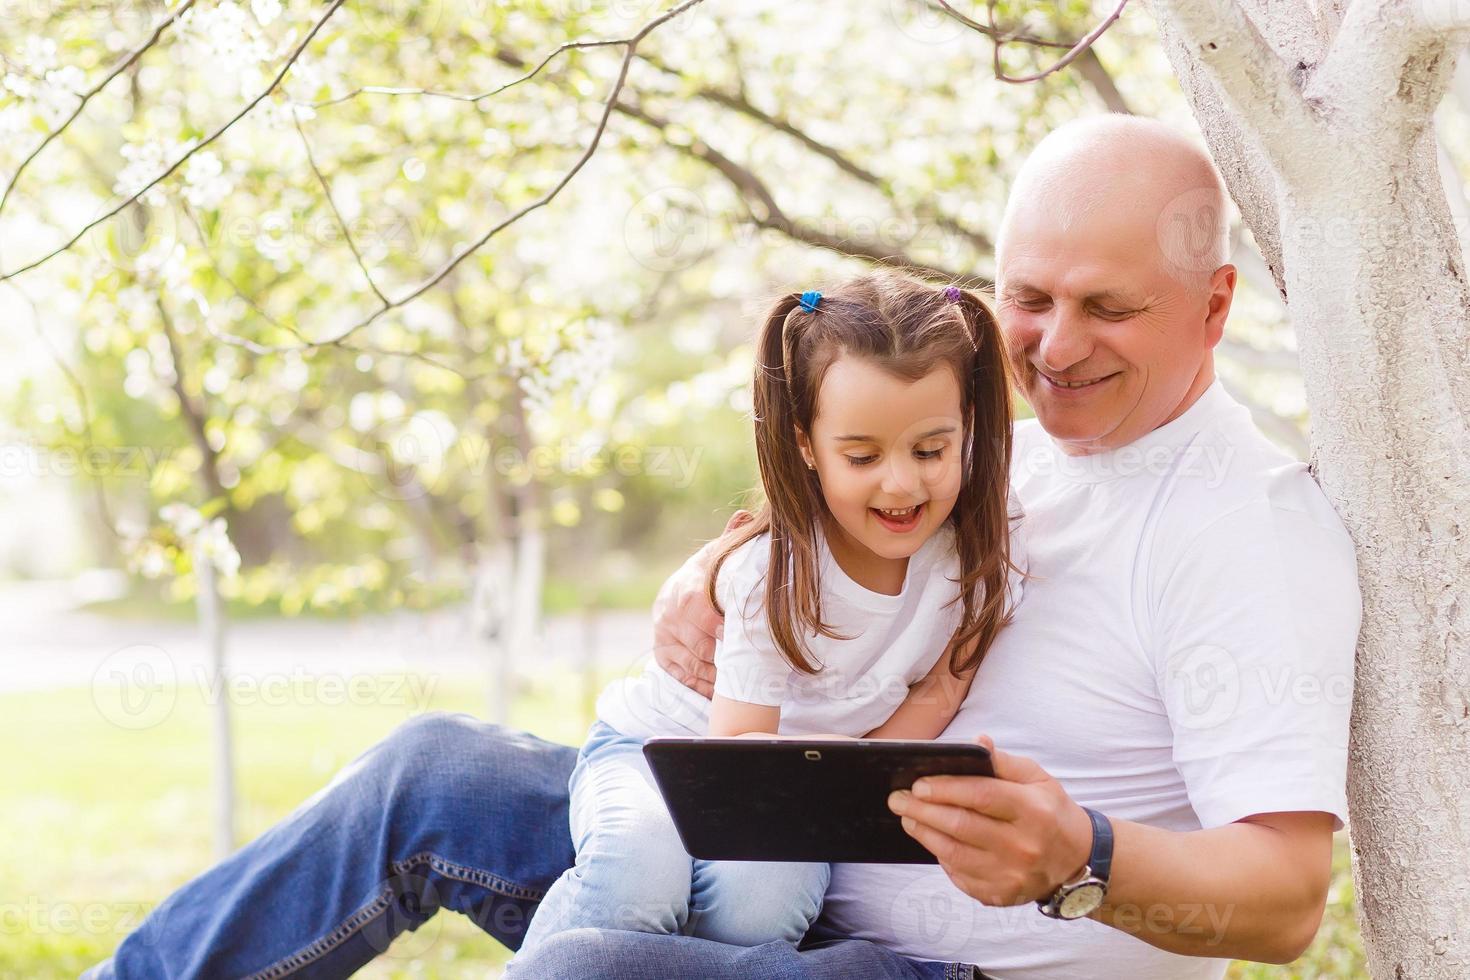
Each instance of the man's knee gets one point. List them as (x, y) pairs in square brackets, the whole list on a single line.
[(458, 761)]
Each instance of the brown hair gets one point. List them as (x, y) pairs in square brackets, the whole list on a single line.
[(907, 328)]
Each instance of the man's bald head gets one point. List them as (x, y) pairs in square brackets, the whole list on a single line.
[(1113, 279), (1114, 170)]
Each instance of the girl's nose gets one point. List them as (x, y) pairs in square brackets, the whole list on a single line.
[(901, 476)]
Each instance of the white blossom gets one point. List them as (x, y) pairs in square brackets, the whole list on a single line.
[(265, 11), (205, 182)]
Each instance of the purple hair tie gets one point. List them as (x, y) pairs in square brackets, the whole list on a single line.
[(952, 294)]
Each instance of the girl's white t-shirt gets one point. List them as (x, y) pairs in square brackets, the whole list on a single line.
[(893, 641)]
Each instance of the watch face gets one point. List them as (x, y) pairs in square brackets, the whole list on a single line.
[(1081, 900)]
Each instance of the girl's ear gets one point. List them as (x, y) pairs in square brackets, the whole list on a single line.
[(805, 445)]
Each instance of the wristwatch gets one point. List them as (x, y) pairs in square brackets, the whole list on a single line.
[(1084, 893)]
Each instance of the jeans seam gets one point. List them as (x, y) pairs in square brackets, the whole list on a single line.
[(474, 876), (321, 947), (353, 923)]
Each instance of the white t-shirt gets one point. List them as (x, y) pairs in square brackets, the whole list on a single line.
[(893, 641), (1183, 658)]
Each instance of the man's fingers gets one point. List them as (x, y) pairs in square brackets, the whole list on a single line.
[(701, 645), (970, 868), (959, 822), (1011, 767), (692, 673), (738, 520), (993, 797)]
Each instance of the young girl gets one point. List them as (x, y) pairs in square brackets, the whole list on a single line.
[(859, 601)]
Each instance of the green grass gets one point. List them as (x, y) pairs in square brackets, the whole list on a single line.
[(102, 822)]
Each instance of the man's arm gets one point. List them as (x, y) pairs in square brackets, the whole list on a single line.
[(685, 624), (1254, 889)]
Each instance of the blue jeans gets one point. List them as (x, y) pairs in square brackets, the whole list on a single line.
[(632, 871), (447, 812)]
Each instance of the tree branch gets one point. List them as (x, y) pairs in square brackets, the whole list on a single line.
[(327, 193), (1072, 54), (767, 214), (1386, 71), (122, 66), (1249, 74), (481, 96), (1091, 68), (631, 47), (738, 102), (993, 32), (255, 347), (276, 81), (194, 413)]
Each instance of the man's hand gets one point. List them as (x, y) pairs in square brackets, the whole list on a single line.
[(685, 625), (1005, 840)]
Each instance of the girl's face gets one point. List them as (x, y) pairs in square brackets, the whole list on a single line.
[(888, 454)]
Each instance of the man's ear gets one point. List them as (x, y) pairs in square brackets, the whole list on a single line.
[(1222, 291), (805, 445)]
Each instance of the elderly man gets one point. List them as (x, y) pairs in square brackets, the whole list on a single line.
[(1170, 764)]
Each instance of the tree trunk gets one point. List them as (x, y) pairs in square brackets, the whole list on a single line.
[(212, 629), (1347, 203)]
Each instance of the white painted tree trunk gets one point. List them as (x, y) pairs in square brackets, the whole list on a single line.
[(1320, 120)]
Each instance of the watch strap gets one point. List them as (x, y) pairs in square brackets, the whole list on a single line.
[(1100, 861)]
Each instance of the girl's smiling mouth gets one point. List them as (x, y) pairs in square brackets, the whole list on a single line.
[(898, 519)]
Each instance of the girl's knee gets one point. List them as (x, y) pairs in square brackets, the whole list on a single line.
[(752, 904)]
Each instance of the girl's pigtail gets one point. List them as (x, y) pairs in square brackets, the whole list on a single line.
[(791, 593), (983, 534)]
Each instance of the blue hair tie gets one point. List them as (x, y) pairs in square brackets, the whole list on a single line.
[(810, 299)]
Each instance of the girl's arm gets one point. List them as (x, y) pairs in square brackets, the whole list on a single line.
[(929, 706), (728, 717)]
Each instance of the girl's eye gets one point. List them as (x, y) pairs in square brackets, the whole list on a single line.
[(929, 453), (860, 460)]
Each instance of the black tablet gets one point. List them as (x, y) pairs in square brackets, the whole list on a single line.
[(756, 799)]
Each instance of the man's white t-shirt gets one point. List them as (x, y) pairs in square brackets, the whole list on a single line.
[(891, 643), (1183, 657)]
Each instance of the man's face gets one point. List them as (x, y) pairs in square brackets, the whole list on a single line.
[(1105, 344)]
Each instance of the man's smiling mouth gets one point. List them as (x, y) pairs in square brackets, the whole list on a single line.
[(1069, 385)]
